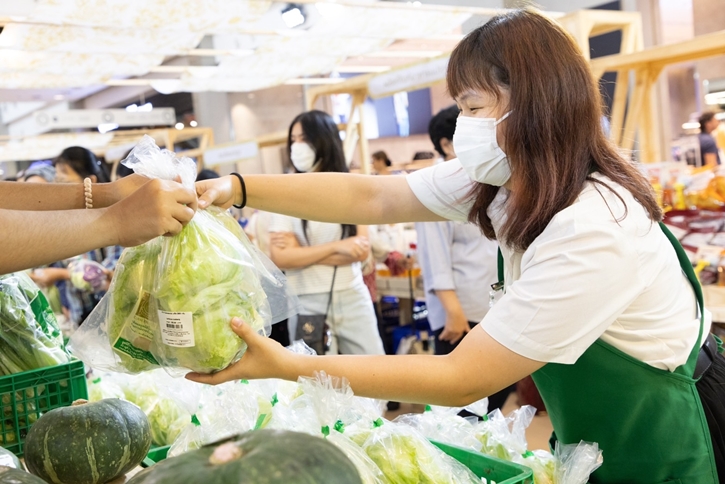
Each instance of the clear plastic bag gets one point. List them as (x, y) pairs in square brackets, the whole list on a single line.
[(406, 457), (158, 395), (542, 463), (444, 425), (505, 437), (87, 275), (171, 299), (29, 333), (576, 462), (221, 412)]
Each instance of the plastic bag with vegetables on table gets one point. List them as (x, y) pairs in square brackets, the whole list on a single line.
[(29, 334), (171, 299)]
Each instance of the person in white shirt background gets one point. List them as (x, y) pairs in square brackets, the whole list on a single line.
[(600, 305), (314, 254), (458, 264)]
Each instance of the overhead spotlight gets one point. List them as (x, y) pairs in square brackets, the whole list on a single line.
[(104, 128), (179, 126), (146, 108), (293, 16), (132, 108), (193, 123)]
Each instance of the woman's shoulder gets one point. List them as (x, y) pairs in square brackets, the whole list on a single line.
[(603, 207)]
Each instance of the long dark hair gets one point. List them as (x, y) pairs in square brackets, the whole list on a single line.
[(553, 137), (83, 162), (322, 134)]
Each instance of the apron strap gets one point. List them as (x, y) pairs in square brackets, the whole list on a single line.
[(500, 267), (686, 266)]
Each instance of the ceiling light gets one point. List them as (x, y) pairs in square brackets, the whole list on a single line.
[(720, 116), (132, 108), (104, 128), (146, 108), (59, 97), (293, 16), (361, 69), (315, 80), (179, 126), (193, 124), (715, 98), (405, 53), (691, 125)]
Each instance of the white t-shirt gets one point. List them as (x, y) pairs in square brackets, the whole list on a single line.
[(590, 274), (316, 278)]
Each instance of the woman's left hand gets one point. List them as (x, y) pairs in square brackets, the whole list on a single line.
[(264, 358)]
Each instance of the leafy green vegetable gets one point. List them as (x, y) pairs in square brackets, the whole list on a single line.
[(204, 273), (29, 334), (406, 457), (166, 418)]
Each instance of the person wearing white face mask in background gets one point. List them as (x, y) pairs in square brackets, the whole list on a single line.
[(600, 303), (322, 260)]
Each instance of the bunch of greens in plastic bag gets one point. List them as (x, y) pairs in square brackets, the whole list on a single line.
[(171, 299), (149, 392), (402, 453), (505, 437), (29, 334), (333, 406), (444, 425), (216, 413)]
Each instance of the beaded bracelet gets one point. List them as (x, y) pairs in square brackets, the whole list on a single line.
[(88, 192)]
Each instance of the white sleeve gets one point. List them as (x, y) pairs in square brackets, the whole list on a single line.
[(444, 189), (281, 223), (576, 280)]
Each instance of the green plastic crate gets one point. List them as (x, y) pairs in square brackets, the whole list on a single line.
[(496, 471), (26, 396)]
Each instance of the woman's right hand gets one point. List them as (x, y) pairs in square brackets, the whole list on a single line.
[(357, 248), (223, 191), (159, 207), (264, 358)]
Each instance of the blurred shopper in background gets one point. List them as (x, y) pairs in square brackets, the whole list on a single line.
[(323, 261)]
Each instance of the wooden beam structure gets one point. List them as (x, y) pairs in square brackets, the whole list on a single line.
[(581, 24), (646, 66)]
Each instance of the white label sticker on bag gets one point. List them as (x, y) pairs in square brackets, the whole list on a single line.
[(177, 329), (7, 461)]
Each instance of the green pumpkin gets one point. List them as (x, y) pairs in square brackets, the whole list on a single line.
[(257, 457), (9, 475), (87, 443), (8, 459)]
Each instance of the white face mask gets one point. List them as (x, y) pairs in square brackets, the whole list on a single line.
[(477, 149), (303, 157)]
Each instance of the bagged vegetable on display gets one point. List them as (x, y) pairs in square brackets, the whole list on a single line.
[(29, 333), (12, 475), (171, 299)]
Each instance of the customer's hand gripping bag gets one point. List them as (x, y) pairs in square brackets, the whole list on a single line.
[(172, 298)]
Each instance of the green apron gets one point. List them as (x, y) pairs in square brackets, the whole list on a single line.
[(648, 422)]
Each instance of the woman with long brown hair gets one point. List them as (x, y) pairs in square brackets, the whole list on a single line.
[(600, 305)]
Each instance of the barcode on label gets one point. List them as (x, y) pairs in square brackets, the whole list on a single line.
[(177, 329)]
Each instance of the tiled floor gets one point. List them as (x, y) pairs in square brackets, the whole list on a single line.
[(537, 434)]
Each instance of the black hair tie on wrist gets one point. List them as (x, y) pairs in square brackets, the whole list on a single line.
[(244, 192)]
